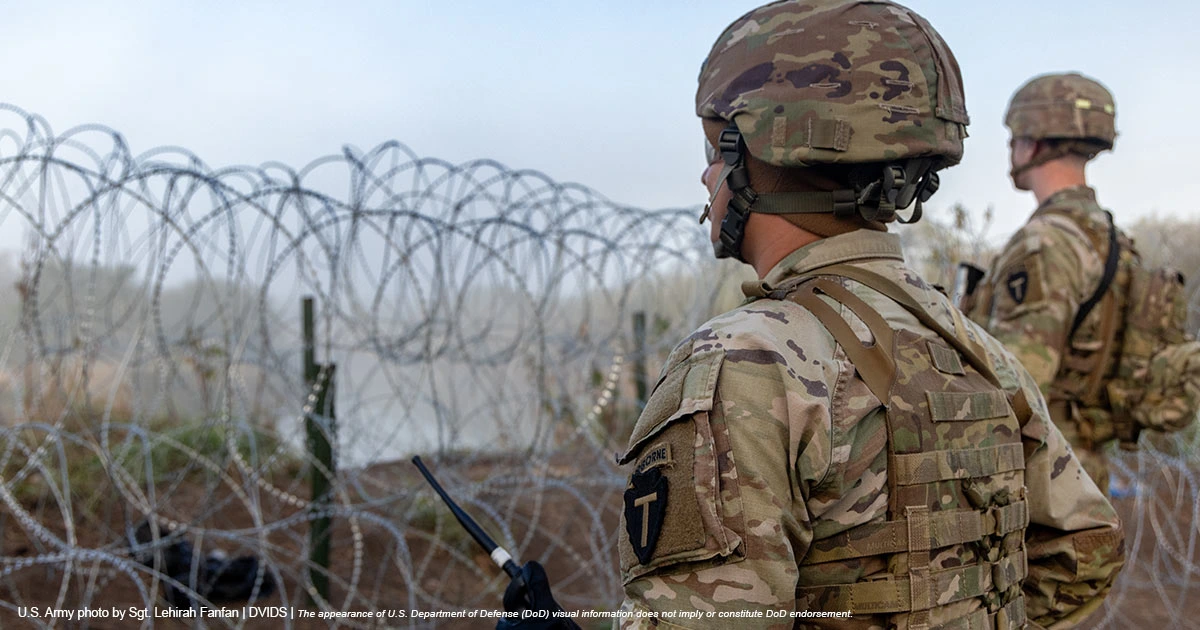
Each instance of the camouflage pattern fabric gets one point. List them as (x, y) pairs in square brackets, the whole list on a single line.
[(953, 544), (881, 86), (761, 442), (1100, 385), (1157, 380), (1171, 389), (1063, 106), (1029, 299)]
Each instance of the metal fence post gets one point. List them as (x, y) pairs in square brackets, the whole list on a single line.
[(320, 425), (639, 358)]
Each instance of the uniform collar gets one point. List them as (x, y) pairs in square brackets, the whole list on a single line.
[(1074, 193), (843, 248)]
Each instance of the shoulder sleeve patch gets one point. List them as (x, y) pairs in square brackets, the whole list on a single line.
[(675, 508), (1022, 283), (662, 510), (1017, 284)]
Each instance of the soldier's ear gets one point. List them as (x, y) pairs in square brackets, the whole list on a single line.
[(1038, 147)]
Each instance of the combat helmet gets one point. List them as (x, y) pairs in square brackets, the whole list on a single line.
[(1064, 107), (810, 82)]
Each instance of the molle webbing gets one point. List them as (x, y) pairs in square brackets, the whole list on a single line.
[(922, 589), (964, 407), (1010, 617), (952, 527), (895, 595), (914, 468)]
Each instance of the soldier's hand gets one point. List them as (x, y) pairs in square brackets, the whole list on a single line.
[(529, 594)]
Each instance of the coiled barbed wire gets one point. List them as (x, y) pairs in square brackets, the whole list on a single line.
[(478, 315), (152, 373)]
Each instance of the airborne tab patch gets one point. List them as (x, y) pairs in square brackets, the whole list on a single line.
[(657, 455), (645, 509)]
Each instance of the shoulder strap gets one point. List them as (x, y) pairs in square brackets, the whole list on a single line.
[(873, 361), (1110, 272), (972, 351)]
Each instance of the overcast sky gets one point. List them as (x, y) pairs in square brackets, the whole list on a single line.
[(599, 93)]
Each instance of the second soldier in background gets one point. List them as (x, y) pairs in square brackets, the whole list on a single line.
[(1103, 335)]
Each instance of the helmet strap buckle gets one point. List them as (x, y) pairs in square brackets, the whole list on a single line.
[(733, 226), (902, 184), (730, 143), (844, 203), (737, 212)]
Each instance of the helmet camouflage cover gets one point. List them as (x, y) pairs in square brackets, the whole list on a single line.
[(810, 82), (1063, 106)]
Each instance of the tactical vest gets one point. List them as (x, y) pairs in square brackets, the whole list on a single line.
[(951, 554), (1107, 384)]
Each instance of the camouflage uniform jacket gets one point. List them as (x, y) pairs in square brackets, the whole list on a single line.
[(1030, 298), (770, 429)]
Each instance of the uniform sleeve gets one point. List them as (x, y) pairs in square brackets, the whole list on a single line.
[(1075, 545), (1036, 286), (751, 489)]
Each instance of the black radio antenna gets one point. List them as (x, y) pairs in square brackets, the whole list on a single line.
[(499, 554)]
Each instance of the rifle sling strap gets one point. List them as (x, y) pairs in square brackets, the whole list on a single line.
[(1110, 272)]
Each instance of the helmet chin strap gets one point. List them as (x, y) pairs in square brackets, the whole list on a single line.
[(1048, 153), (897, 187), (1039, 158)]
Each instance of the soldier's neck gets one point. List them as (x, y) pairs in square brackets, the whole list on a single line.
[(1054, 176), (769, 239)]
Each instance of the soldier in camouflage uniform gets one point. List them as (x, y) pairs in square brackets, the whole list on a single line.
[(846, 442), (1052, 296)]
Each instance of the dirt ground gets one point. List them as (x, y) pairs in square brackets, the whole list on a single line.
[(1159, 587), (428, 566)]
